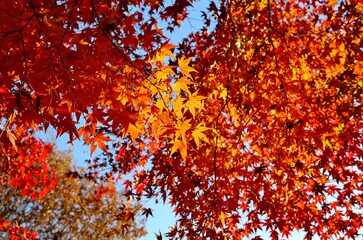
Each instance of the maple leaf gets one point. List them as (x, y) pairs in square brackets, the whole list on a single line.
[(128, 184), (100, 139), (223, 217), (178, 106), (198, 134), (12, 139), (159, 236), (184, 68), (147, 212), (182, 84), (181, 128), (134, 131), (179, 145), (140, 188), (193, 102), (164, 52)]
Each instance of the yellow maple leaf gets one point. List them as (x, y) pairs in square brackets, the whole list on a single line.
[(182, 128), (178, 106), (182, 84), (194, 102), (184, 68), (223, 217), (181, 147), (198, 134), (163, 73), (164, 52), (263, 4), (133, 131)]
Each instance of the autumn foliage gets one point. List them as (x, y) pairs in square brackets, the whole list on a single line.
[(251, 123), (69, 210), (24, 164), (15, 231)]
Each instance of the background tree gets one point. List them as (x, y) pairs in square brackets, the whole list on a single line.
[(72, 210)]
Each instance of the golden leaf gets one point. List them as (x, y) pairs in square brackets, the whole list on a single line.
[(184, 68)]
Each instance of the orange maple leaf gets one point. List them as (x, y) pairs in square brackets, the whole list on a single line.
[(184, 68), (193, 102)]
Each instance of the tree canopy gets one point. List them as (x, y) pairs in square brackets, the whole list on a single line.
[(252, 122)]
